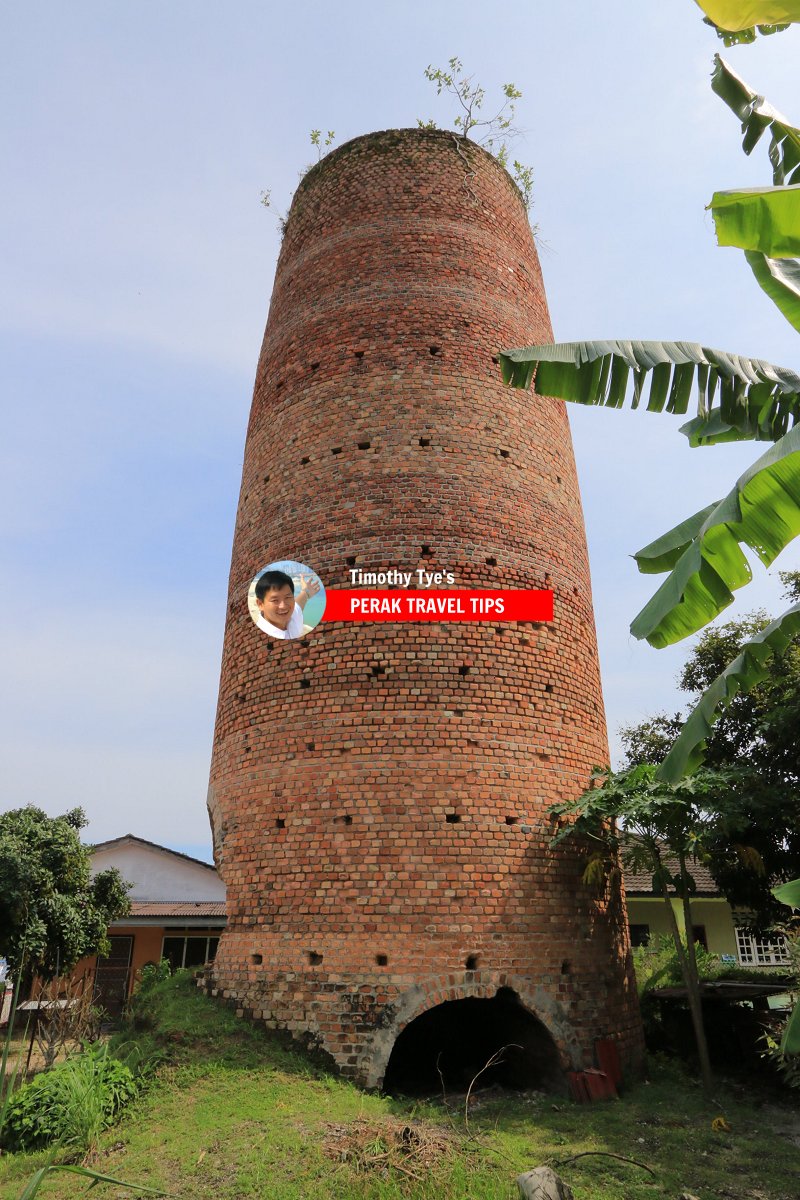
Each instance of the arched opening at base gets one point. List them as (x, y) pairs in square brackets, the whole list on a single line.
[(446, 1047)]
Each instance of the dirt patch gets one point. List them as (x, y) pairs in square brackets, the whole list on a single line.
[(385, 1146)]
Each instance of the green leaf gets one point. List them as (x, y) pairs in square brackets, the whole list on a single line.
[(747, 670), (704, 555), (780, 279), (31, 1189), (788, 893), (742, 37), (790, 1042), (757, 115), (763, 219), (757, 398), (744, 14)]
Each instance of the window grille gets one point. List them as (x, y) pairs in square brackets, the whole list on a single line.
[(756, 951)]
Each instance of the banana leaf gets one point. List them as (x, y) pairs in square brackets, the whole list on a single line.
[(780, 279), (757, 115), (749, 668), (742, 37), (756, 399), (763, 219), (703, 554), (789, 894), (744, 14)]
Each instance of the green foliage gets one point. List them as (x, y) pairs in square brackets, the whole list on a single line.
[(51, 910), (70, 1104), (322, 144), (493, 133), (754, 741)]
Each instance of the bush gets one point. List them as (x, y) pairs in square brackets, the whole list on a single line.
[(70, 1104)]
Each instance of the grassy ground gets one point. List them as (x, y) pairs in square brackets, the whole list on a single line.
[(232, 1114)]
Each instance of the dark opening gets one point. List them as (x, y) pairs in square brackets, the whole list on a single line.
[(381, 959), (256, 959), (304, 462), (314, 959), (315, 366), (512, 820), (363, 445), (358, 353), (435, 349), (424, 441), (280, 823), (472, 962), (505, 453), (463, 670), (461, 1036), (452, 818), (491, 562), (351, 560), (305, 683), (336, 450)]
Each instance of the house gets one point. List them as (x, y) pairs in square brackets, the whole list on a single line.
[(177, 913), (716, 927)]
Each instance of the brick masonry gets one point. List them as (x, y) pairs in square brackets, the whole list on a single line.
[(378, 792)]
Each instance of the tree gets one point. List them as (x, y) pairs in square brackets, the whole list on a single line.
[(51, 911), (635, 818)]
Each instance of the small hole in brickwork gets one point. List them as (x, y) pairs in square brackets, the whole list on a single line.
[(363, 445), (358, 353), (279, 385), (558, 479), (452, 818), (472, 962), (463, 670), (346, 819), (351, 560), (505, 453), (549, 687), (310, 746), (435, 349), (315, 366), (382, 960), (304, 461), (246, 497), (280, 823), (266, 479), (424, 441), (314, 959), (459, 712), (377, 670), (547, 579), (495, 359), (256, 959), (574, 591), (491, 562), (305, 683), (426, 552), (336, 450), (565, 967), (512, 820)]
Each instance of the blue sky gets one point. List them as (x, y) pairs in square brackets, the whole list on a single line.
[(138, 261)]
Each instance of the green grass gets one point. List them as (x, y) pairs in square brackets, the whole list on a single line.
[(231, 1113)]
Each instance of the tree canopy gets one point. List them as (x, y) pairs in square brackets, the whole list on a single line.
[(51, 911)]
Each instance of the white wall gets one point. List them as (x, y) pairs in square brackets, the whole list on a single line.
[(158, 874)]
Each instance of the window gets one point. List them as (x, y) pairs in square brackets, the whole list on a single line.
[(189, 951), (640, 935), (699, 935), (756, 951)]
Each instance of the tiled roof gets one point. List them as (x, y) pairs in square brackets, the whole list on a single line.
[(177, 908), (638, 883)]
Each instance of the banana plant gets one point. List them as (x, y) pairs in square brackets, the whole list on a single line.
[(737, 399)]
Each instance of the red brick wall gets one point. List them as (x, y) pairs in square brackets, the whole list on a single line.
[(382, 436)]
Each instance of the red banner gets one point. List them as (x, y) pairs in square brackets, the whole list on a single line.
[(423, 605)]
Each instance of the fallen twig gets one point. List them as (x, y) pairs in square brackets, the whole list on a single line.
[(560, 1162)]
